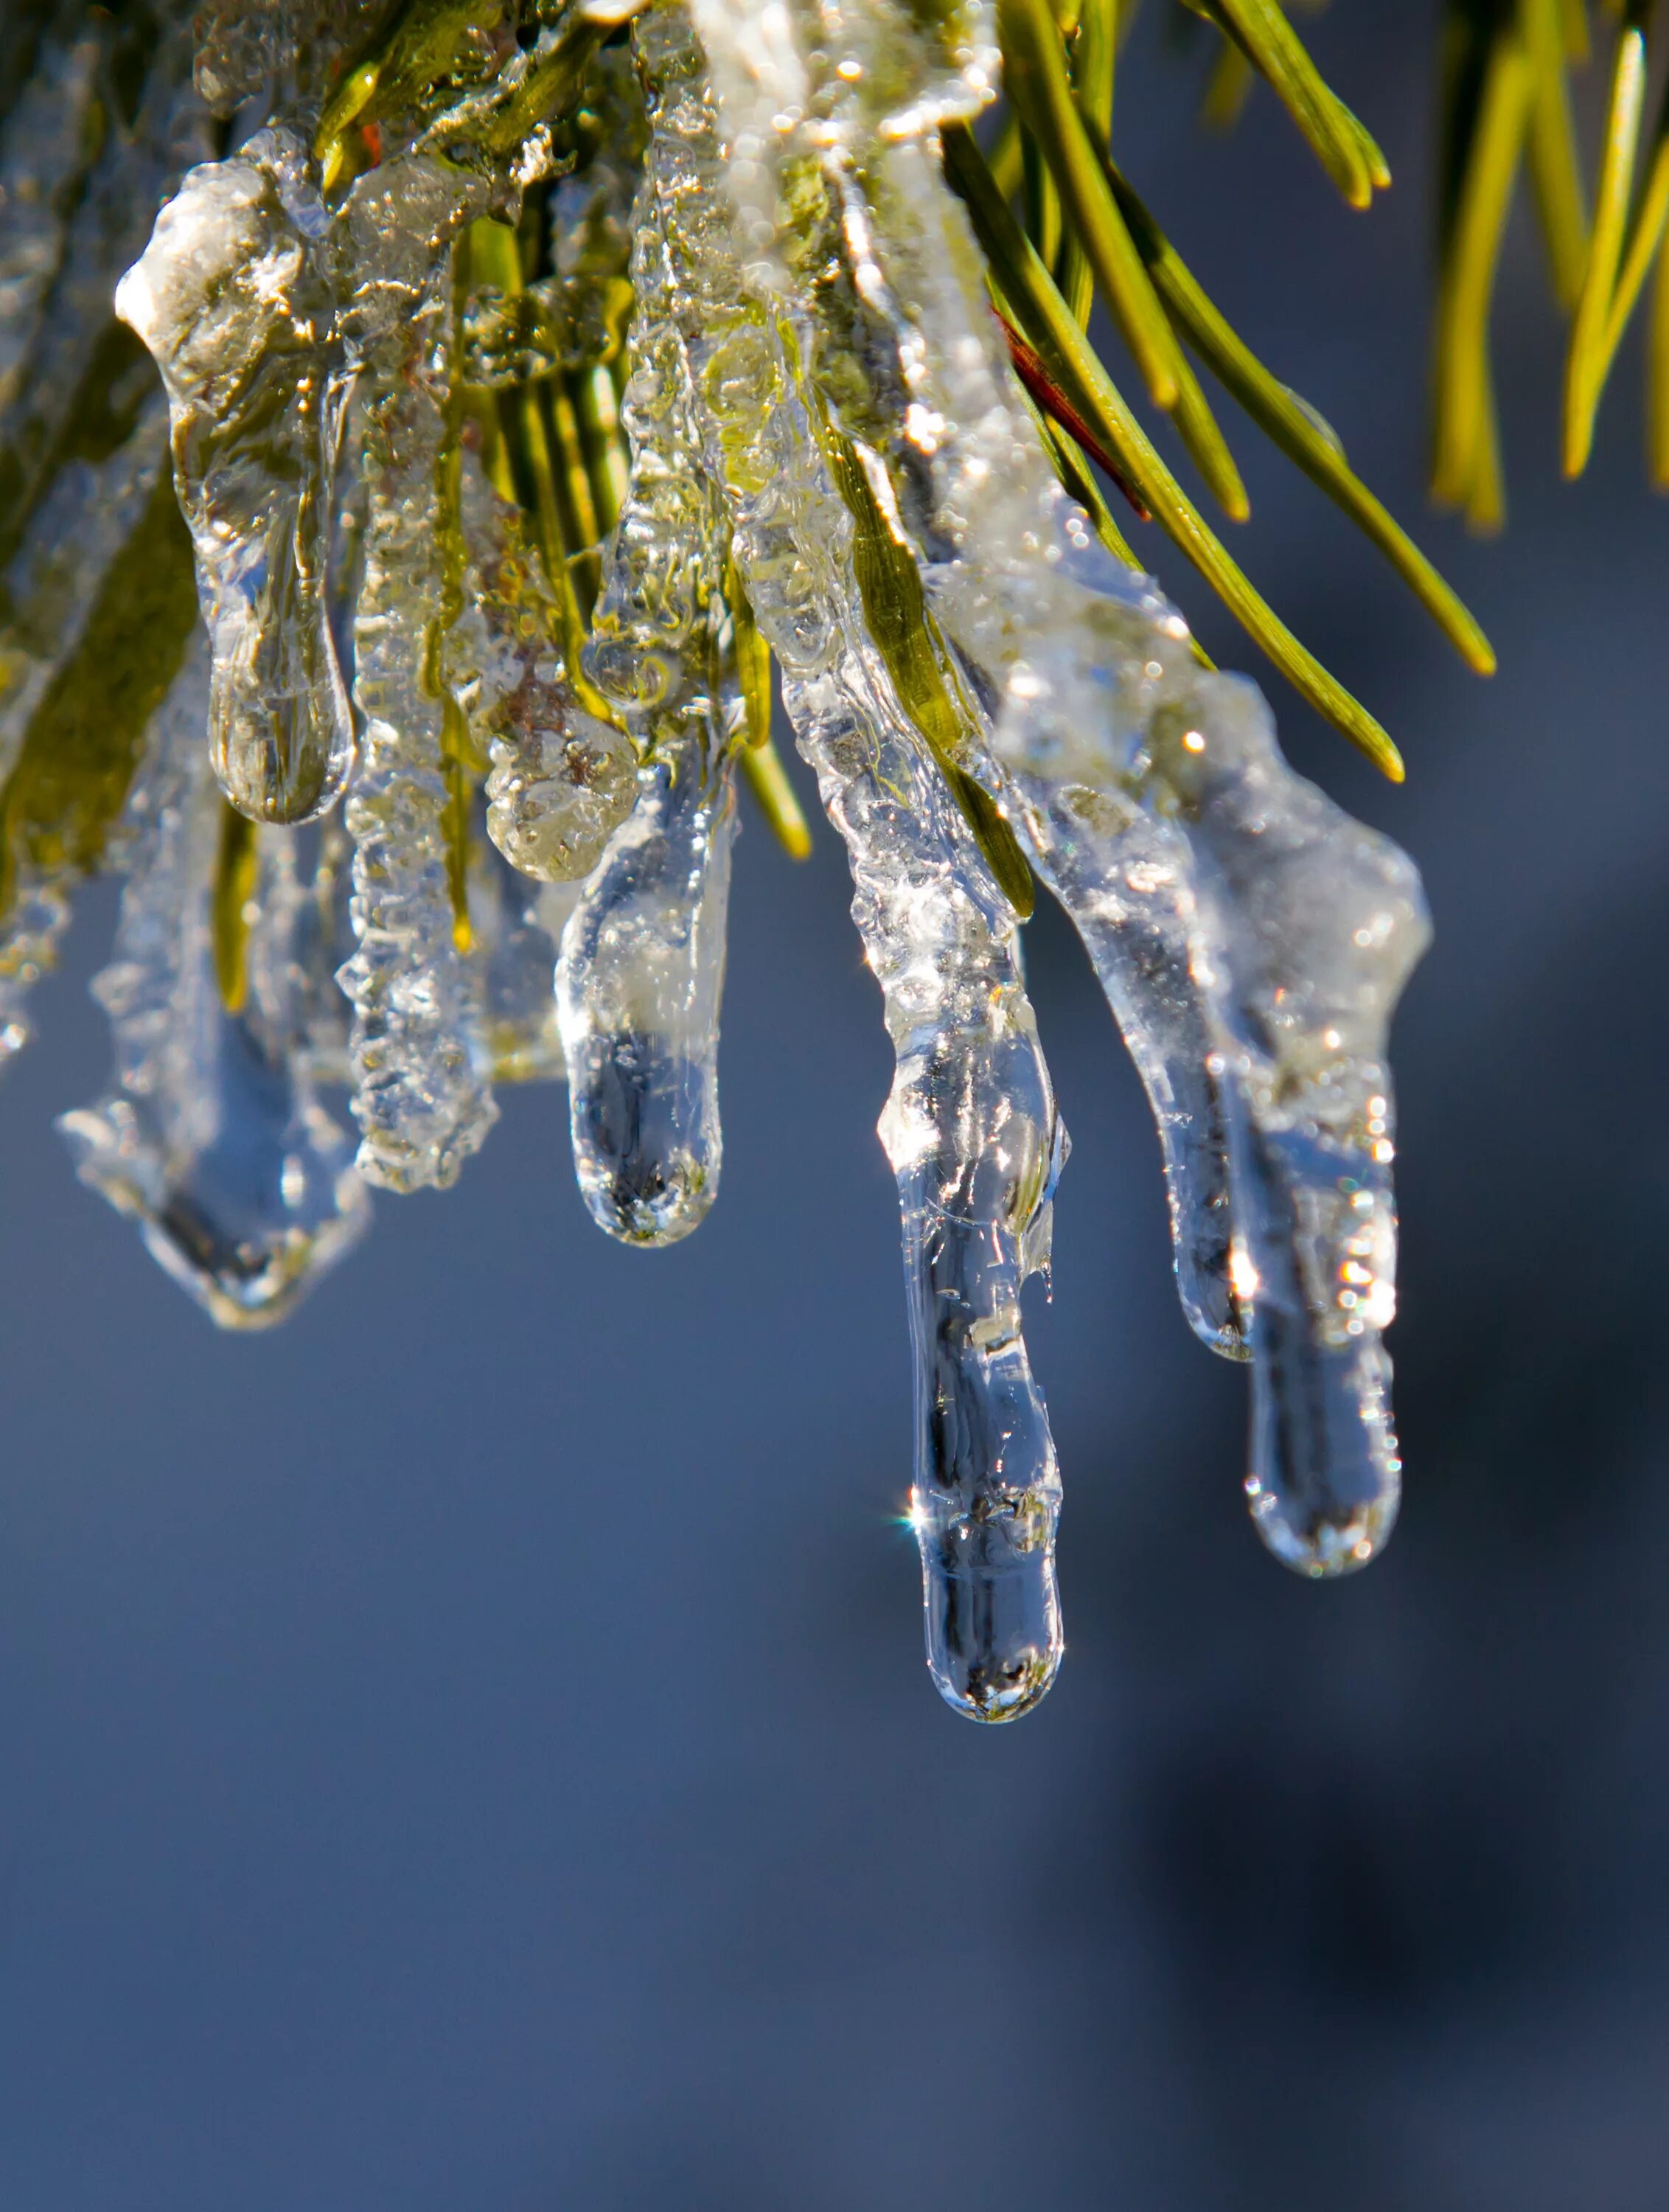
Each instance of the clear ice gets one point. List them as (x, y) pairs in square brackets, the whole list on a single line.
[(233, 297), (423, 1092), (1088, 672), (970, 1126), (561, 780), (642, 968), (210, 1134)]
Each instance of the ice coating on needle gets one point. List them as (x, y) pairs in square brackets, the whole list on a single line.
[(421, 1093), (233, 300), (970, 1127), (642, 969), (1083, 665), (562, 779), (210, 1136)]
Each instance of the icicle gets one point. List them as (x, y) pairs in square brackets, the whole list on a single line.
[(642, 967), (232, 298), (1319, 922), (1085, 666), (421, 1096), (243, 1187), (1126, 881), (970, 1126)]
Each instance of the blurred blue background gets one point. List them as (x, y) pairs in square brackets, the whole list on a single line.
[(471, 1749)]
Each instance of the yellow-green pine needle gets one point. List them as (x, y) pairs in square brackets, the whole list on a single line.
[(1486, 499), (418, 48), (1035, 70), (1094, 64), (1042, 199), (1585, 369), (235, 886), (1007, 161), (1644, 238), (1040, 312), (767, 780), (1294, 426), (1657, 381), (1227, 89), (1339, 141), (496, 256), (1468, 279), (1554, 170), (1041, 87), (753, 657), (905, 635)]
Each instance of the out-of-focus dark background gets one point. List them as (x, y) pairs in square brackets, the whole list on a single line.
[(472, 1748)]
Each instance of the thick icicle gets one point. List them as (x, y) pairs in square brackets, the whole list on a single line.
[(970, 1126), (234, 299), (1085, 666), (1328, 919), (422, 1090), (642, 968), (210, 1136)]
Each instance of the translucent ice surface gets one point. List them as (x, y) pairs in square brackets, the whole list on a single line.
[(210, 1136)]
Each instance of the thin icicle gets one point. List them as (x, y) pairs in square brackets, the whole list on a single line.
[(421, 1086), (970, 1127), (210, 1136), (641, 975)]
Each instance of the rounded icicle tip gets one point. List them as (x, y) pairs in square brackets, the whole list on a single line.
[(1322, 1549), (994, 1637), (647, 1146)]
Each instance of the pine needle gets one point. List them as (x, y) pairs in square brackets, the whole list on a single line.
[(1028, 296), (1586, 368)]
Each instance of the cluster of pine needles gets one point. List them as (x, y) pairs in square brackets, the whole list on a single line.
[(1064, 228)]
